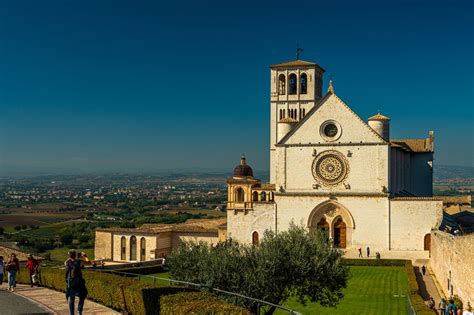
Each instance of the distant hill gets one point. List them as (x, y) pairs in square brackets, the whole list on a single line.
[(444, 172)]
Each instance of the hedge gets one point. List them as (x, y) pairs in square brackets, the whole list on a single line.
[(140, 297), (197, 303), (413, 290)]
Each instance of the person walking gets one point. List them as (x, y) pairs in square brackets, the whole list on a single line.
[(75, 283), (32, 265), (360, 252), (13, 268), (2, 268), (442, 307), (451, 308), (368, 251), (423, 270)]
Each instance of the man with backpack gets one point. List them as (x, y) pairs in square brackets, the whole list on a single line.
[(75, 283)]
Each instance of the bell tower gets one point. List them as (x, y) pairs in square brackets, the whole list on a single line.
[(295, 87)]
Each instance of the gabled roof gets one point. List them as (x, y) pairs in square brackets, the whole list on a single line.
[(414, 145), (296, 63), (316, 107)]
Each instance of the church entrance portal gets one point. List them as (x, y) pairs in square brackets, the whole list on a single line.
[(340, 233), (335, 220)]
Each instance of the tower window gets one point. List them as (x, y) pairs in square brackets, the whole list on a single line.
[(263, 196), (293, 84), (239, 195), (255, 196), (303, 84), (281, 84)]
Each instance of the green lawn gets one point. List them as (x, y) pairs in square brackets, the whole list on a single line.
[(370, 290)]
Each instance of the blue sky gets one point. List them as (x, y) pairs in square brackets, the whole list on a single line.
[(144, 85)]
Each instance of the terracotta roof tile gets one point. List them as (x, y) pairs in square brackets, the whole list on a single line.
[(414, 145), (296, 63)]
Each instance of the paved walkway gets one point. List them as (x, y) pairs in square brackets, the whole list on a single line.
[(55, 301), (13, 304)]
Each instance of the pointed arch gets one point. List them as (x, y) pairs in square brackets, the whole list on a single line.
[(339, 220), (255, 239)]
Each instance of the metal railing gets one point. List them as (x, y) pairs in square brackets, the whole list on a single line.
[(258, 302)]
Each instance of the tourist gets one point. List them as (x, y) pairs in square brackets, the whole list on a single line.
[(451, 308), (102, 264), (360, 252), (2, 267), (32, 266), (368, 251), (377, 255), (442, 307), (430, 303), (75, 283), (423, 270), (13, 268)]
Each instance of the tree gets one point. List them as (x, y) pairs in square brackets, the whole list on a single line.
[(66, 238), (290, 263), (2, 230)]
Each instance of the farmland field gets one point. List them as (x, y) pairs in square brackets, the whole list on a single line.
[(370, 290)]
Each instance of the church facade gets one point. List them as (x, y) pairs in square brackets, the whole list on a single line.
[(332, 170)]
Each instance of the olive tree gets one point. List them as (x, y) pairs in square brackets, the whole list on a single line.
[(294, 262)]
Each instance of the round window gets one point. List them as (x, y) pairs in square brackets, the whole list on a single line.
[(330, 130)]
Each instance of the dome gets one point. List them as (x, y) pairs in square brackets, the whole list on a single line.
[(243, 170)]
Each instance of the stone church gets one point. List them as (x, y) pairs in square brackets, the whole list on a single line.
[(332, 170), (329, 170)]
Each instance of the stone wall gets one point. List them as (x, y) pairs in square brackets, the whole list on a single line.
[(103, 245), (452, 262), (411, 220)]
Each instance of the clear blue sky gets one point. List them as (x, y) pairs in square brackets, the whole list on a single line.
[(148, 85)]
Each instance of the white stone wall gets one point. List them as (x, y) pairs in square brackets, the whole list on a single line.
[(103, 245), (241, 225), (452, 262), (368, 168), (411, 220), (196, 237)]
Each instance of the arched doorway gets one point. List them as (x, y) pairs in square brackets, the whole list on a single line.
[(337, 219), (339, 233), (323, 226), (427, 243), (133, 248)]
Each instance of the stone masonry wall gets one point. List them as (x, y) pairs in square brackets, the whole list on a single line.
[(103, 245), (452, 262)]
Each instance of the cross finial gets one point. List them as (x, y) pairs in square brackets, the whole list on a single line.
[(298, 50)]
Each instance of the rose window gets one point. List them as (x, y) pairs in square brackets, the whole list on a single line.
[(330, 167)]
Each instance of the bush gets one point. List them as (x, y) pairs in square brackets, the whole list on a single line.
[(197, 303), (140, 297)]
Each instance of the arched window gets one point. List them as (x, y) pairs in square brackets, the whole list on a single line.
[(255, 196), (142, 249), (239, 195), (263, 196), (123, 248), (303, 84), (255, 238), (281, 84), (292, 84), (133, 248)]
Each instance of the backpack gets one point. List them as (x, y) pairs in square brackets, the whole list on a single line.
[(74, 279)]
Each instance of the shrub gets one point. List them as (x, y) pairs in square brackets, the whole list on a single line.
[(197, 303)]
